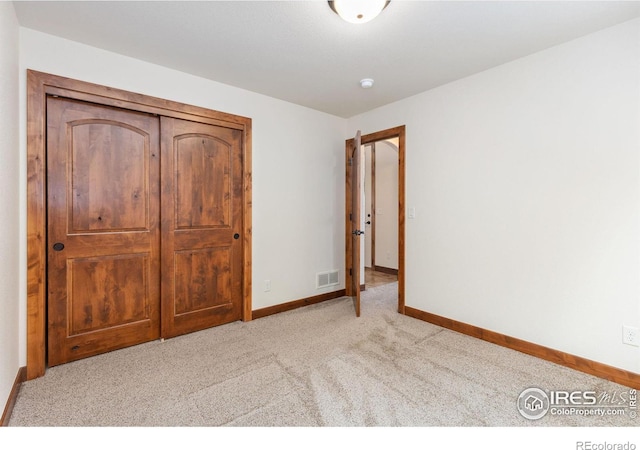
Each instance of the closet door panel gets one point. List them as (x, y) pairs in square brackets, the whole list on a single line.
[(201, 226), (103, 247)]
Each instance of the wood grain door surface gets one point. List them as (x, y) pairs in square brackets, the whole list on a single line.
[(201, 226), (103, 230), (356, 173), (138, 248)]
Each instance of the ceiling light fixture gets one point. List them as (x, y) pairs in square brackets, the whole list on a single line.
[(358, 11)]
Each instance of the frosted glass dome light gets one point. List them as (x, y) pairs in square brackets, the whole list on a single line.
[(358, 11)]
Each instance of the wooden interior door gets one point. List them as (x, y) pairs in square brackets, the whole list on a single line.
[(201, 226), (103, 233), (356, 233)]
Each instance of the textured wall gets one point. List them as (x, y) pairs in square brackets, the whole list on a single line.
[(525, 179), (9, 217)]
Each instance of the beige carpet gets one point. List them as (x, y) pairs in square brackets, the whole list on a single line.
[(314, 366)]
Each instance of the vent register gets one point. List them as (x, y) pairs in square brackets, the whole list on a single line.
[(325, 279)]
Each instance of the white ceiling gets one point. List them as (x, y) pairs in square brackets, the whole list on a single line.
[(301, 52)]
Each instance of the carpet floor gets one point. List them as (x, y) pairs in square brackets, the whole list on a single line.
[(317, 366)]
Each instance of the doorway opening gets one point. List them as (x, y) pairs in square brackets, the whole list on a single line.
[(382, 212)]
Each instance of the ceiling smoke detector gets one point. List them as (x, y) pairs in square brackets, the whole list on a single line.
[(366, 83)]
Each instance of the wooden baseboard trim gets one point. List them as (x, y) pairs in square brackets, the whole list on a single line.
[(385, 270), (21, 377), (597, 369), (270, 310)]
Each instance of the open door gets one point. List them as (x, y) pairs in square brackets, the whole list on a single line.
[(353, 234), (355, 165)]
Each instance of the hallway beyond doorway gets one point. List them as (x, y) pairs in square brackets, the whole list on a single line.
[(373, 278)]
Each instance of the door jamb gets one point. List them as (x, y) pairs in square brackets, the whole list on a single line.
[(39, 86), (372, 219), (398, 132)]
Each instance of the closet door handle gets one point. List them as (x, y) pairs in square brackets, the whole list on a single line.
[(58, 246), (236, 236)]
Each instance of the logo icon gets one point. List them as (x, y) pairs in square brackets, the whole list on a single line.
[(533, 403)]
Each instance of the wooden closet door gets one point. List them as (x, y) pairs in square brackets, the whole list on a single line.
[(103, 229), (201, 226)]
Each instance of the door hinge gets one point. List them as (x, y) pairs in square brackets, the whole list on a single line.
[(351, 272), (350, 216), (350, 161)]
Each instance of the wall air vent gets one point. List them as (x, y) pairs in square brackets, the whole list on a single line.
[(325, 279)]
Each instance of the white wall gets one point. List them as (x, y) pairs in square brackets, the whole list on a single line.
[(10, 260), (525, 179), (387, 204), (298, 163)]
